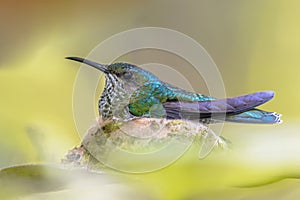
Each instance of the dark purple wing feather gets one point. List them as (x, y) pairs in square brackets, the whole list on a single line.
[(205, 109)]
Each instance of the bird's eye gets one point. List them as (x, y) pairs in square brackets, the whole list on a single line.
[(127, 75)]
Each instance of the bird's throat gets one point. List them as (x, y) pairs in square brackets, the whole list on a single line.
[(113, 103)]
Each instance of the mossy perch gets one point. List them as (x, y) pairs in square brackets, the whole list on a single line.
[(135, 136)]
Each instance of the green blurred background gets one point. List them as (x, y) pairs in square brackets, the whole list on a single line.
[(255, 44)]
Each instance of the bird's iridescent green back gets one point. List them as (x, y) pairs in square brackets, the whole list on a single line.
[(150, 96)]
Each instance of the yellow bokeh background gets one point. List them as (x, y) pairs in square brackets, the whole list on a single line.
[(255, 44)]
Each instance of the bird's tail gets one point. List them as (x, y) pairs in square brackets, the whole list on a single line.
[(255, 116)]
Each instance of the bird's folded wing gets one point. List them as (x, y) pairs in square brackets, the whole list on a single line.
[(205, 109)]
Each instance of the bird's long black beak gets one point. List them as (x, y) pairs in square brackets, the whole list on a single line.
[(89, 62)]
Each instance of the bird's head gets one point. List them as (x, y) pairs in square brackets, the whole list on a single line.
[(128, 74)]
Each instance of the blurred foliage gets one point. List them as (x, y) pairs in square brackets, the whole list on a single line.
[(56, 182), (255, 44)]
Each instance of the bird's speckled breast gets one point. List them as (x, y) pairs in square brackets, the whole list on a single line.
[(113, 103)]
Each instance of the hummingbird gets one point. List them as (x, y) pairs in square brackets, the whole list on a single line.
[(131, 92)]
